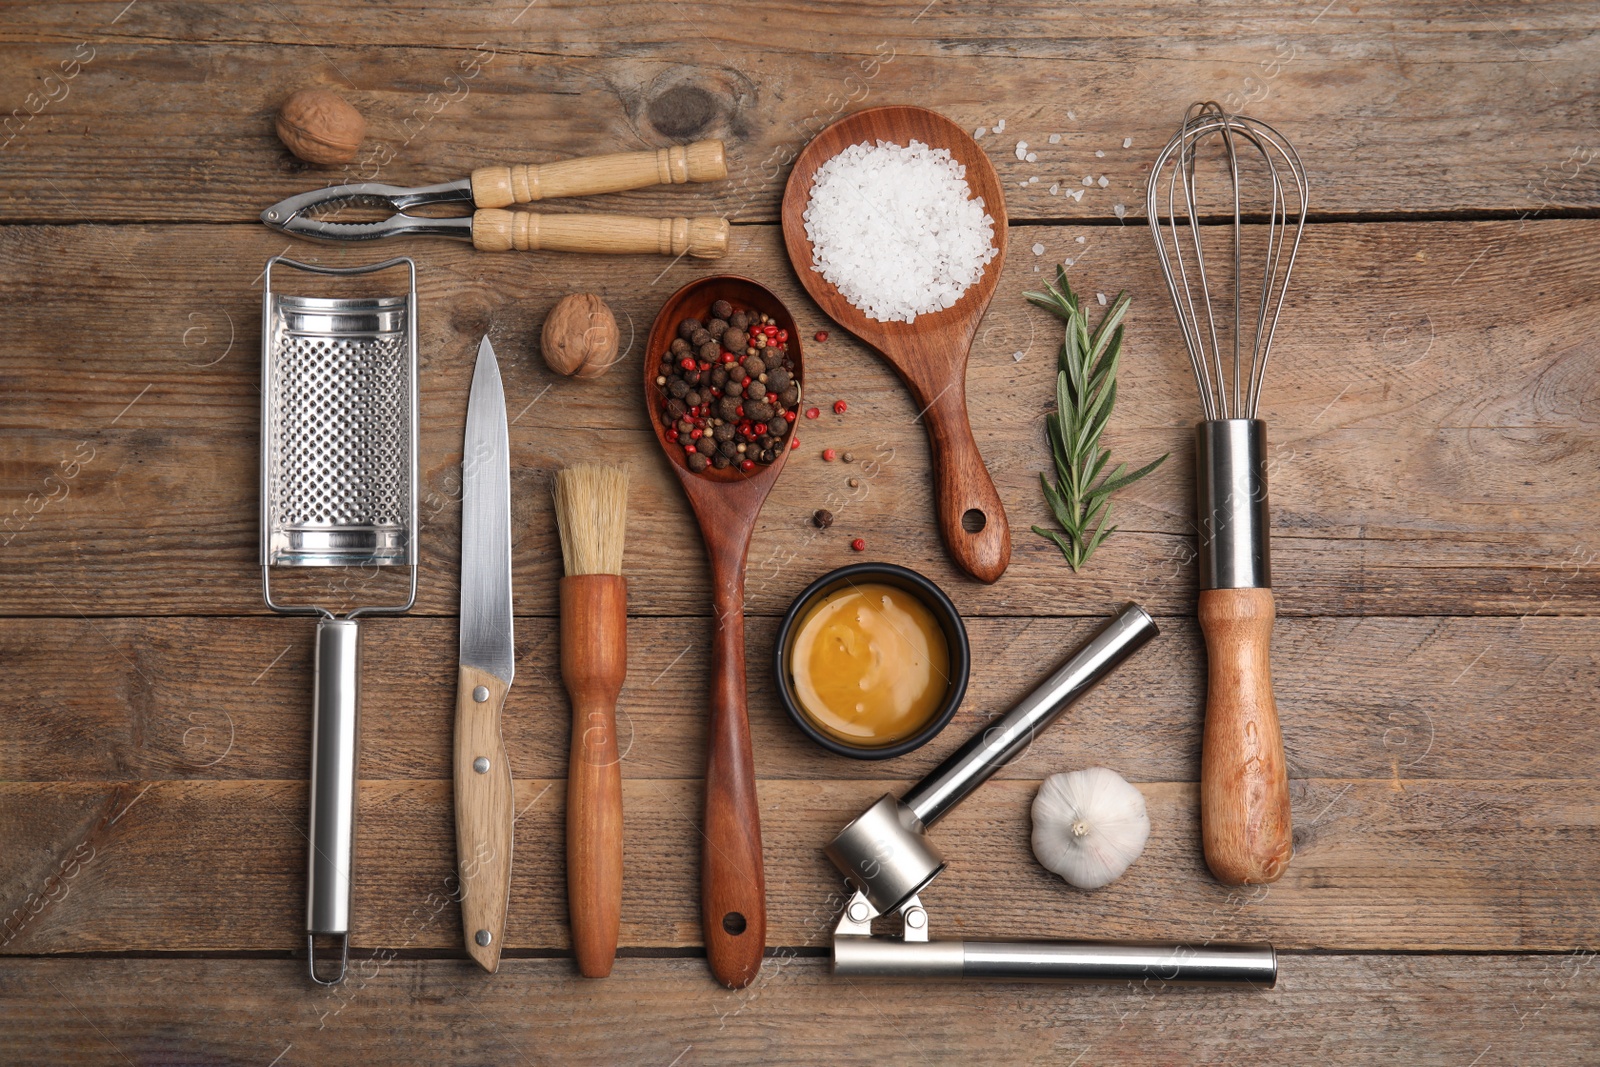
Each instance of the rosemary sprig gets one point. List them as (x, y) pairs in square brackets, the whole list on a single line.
[(1086, 392)]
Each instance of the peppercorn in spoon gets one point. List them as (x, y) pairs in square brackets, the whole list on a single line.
[(726, 498)]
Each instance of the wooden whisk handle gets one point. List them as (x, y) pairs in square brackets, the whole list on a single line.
[(1244, 783)]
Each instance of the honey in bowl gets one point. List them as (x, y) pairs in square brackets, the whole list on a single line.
[(870, 664)]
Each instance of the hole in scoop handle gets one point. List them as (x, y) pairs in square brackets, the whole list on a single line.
[(979, 543)]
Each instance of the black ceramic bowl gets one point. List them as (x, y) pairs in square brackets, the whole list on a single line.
[(955, 635)]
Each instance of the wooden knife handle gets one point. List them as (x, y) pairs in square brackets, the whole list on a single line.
[(1244, 783), (483, 814), (527, 231), (733, 884), (594, 662), (971, 518), (523, 183)]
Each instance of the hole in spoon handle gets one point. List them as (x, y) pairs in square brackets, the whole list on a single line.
[(971, 518)]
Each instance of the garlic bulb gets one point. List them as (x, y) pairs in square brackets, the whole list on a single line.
[(1088, 826)]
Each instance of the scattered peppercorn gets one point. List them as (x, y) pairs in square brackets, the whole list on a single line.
[(828, 454), (822, 335), (855, 483), (812, 413), (823, 518), (840, 407), (794, 443), (848, 457), (859, 544)]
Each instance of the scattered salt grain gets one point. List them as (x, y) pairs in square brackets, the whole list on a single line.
[(1076, 194), (979, 132), (1022, 149), (1127, 142), (1104, 181), (1055, 138), (897, 230), (1017, 356), (1055, 190), (1099, 153), (1000, 127), (1088, 179), (1073, 115), (1119, 210), (1038, 249), (1033, 180), (1079, 239), (1033, 157), (1102, 298), (1070, 261)]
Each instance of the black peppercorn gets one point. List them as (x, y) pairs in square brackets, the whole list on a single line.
[(717, 327), (789, 396), (692, 377), (687, 328), (692, 398), (700, 337), (755, 390), (823, 518), (721, 309), (710, 352), (754, 366), (680, 347), (778, 380), (721, 462), (722, 432), (698, 462), (758, 409), (728, 408), (719, 376), (677, 387), (739, 321), (733, 340), (676, 409)]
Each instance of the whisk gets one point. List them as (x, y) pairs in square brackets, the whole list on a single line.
[(1244, 789)]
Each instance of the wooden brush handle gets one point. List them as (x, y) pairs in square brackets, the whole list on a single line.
[(962, 486), (594, 662), (524, 183), (1244, 784), (527, 231), (733, 885), (484, 814)]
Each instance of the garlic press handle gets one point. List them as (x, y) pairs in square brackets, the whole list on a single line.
[(525, 183), (336, 708)]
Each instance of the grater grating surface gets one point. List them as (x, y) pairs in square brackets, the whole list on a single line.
[(341, 429), (338, 431)]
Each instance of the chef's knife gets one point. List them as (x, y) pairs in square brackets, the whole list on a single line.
[(482, 774)]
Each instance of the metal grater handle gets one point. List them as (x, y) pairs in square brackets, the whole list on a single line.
[(335, 717)]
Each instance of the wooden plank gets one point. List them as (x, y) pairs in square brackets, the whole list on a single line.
[(1436, 698), (1427, 1010), (1396, 107), (1383, 865), (1406, 422)]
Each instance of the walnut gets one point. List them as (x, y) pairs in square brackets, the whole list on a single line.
[(320, 127), (580, 336)]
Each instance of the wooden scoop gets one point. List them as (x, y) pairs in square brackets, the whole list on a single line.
[(733, 908), (930, 354)]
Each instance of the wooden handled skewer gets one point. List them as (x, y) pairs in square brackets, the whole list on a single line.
[(591, 512)]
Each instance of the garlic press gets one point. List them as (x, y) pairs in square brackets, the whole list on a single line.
[(490, 189), (887, 861)]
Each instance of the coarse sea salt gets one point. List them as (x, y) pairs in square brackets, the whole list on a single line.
[(897, 230)]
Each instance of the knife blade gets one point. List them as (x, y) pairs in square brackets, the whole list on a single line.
[(483, 791)]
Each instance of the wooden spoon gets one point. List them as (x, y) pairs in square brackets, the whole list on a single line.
[(733, 909), (930, 354)]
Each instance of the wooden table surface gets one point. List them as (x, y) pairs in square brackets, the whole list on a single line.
[(1435, 438)]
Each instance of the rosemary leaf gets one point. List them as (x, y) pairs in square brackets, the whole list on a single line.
[(1086, 394)]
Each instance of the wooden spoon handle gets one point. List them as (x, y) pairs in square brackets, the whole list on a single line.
[(971, 517), (733, 887), (524, 183), (1244, 783), (527, 231), (594, 663)]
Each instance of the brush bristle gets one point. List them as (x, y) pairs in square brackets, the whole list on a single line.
[(592, 514)]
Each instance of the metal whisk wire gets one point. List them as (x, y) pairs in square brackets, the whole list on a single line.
[(1178, 161)]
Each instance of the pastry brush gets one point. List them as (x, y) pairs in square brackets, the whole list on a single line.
[(591, 512)]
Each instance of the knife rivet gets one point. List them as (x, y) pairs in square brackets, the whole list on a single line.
[(481, 764), (481, 693), (483, 937)]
